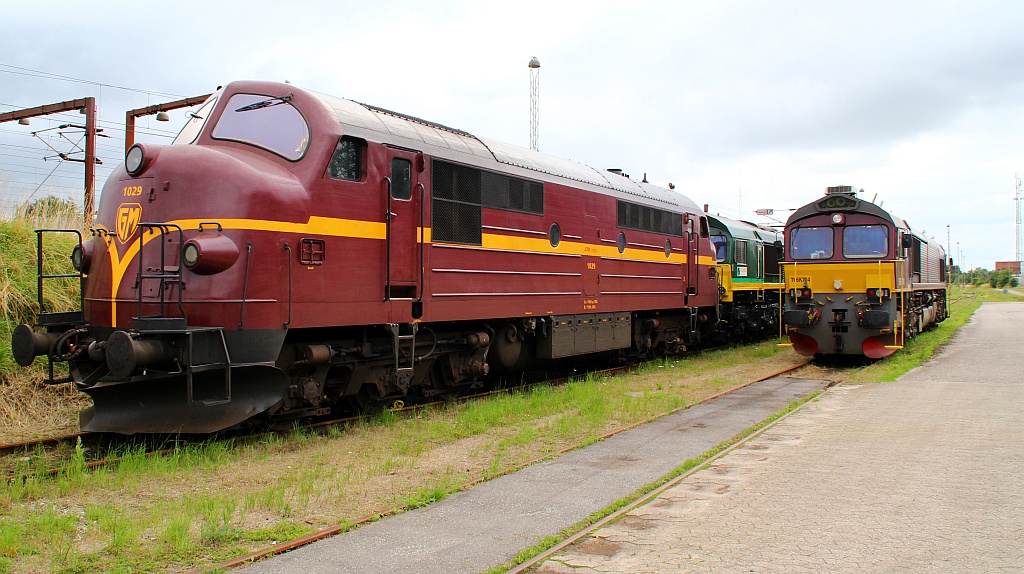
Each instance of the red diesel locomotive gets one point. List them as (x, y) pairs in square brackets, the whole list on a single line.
[(290, 252)]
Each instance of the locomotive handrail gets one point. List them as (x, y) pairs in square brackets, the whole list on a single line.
[(423, 201), (245, 283), (202, 223), (288, 248), (163, 275), (39, 268), (387, 242), (899, 271), (75, 317)]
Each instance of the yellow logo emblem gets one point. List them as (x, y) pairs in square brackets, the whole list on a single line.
[(128, 217)]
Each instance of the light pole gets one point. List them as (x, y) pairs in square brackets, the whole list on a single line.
[(534, 66), (959, 262), (949, 254)]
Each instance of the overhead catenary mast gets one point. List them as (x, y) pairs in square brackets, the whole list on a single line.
[(534, 100)]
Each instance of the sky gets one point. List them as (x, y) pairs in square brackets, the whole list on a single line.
[(742, 104)]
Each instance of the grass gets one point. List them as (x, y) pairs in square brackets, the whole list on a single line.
[(205, 503), (28, 408), (924, 346)]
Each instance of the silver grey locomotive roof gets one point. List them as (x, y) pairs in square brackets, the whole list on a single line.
[(417, 133)]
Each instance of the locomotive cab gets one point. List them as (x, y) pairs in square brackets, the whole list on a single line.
[(173, 260)]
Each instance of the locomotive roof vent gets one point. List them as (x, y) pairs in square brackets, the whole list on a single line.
[(841, 190)]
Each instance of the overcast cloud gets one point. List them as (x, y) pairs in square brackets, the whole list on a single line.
[(742, 104)]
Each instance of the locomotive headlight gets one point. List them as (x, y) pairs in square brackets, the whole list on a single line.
[(209, 254), (877, 293), (191, 255), (77, 257), (81, 256), (136, 159), (837, 218)]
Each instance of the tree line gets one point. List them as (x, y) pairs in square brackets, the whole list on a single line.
[(978, 276)]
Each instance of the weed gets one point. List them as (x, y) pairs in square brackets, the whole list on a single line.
[(175, 536), (285, 530), (432, 493), (27, 407)]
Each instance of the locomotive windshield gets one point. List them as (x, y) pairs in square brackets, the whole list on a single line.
[(810, 243), (862, 241), (719, 243), (271, 123), (197, 120)]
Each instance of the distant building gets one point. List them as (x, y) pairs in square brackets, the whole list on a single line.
[(1013, 266)]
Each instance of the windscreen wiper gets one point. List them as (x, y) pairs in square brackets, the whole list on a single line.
[(274, 101)]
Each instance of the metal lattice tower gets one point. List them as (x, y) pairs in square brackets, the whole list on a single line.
[(534, 100)]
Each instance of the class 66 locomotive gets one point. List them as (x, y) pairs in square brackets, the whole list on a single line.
[(748, 259), (858, 281), (292, 253)]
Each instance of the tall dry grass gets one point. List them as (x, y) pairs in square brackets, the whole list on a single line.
[(29, 408)]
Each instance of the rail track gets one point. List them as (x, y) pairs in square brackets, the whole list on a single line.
[(94, 443), (55, 455), (88, 450), (529, 564), (325, 533), (965, 297), (33, 444)]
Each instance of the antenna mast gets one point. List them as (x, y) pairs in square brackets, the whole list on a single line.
[(534, 100), (1016, 200)]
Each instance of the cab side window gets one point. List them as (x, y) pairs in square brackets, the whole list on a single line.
[(401, 173), (347, 161), (741, 252)]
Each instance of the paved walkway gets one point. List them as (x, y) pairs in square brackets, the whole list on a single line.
[(489, 524), (922, 475)]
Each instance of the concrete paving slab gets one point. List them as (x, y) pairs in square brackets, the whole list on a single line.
[(922, 475), (489, 524)]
